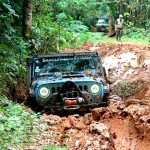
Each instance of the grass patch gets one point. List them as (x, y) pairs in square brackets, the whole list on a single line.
[(100, 37), (54, 148), (97, 37), (94, 37), (135, 41), (127, 89)]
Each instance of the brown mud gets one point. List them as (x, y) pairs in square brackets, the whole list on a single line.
[(125, 123)]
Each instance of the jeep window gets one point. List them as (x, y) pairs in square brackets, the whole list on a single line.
[(64, 66)]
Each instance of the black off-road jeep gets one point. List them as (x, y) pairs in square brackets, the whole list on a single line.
[(67, 81)]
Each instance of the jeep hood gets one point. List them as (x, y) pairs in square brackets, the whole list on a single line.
[(63, 79)]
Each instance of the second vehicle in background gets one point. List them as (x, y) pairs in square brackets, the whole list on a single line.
[(102, 25)]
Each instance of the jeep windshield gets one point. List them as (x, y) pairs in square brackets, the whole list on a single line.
[(65, 65)]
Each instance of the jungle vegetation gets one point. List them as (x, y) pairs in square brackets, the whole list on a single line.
[(31, 27)]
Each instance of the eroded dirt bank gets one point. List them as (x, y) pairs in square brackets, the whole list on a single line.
[(125, 123), (116, 127)]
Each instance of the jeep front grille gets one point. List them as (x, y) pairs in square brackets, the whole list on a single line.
[(69, 89)]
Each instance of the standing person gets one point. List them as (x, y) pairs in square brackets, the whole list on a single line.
[(119, 24)]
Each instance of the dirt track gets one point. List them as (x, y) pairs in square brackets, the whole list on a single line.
[(125, 123)]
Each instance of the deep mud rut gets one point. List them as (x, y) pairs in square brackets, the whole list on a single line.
[(125, 123), (128, 137)]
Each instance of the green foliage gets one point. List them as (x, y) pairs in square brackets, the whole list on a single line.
[(94, 37), (138, 33), (97, 37), (13, 49), (56, 27), (17, 126), (12, 57), (77, 26), (127, 89), (54, 148), (147, 25), (11, 11), (81, 38), (81, 10), (46, 36), (49, 36)]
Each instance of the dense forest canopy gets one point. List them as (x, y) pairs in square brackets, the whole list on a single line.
[(30, 27)]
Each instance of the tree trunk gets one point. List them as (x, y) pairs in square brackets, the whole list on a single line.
[(111, 26), (112, 9), (27, 18)]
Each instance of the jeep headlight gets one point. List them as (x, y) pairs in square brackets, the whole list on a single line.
[(95, 89), (44, 92)]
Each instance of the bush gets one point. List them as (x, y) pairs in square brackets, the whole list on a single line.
[(17, 126), (77, 26), (12, 57), (137, 33), (127, 89)]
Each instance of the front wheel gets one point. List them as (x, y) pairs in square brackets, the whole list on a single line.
[(105, 98)]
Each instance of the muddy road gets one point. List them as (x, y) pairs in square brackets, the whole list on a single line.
[(125, 123)]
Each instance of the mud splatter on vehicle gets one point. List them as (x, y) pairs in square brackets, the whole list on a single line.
[(67, 81)]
